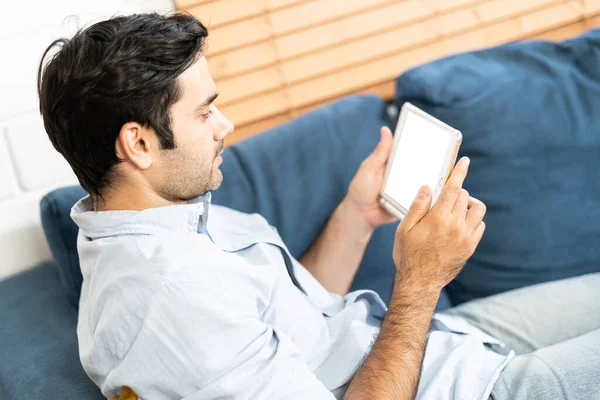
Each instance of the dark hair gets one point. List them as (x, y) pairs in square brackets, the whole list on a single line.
[(116, 71)]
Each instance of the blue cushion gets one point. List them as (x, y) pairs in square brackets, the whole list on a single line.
[(61, 234), (531, 124), (291, 176), (38, 355)]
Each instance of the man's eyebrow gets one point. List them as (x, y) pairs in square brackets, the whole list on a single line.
[(207, 102)]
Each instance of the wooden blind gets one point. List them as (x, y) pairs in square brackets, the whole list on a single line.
[(273, 60)]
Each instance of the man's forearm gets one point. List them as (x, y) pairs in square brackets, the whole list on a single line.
[(392, 368), (336, 254)]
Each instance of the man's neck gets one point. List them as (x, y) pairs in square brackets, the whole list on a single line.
[(134, 199)]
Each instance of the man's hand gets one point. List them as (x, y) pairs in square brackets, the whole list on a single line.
[(432, 246), (336, 254), (363, 193), (430, 249)]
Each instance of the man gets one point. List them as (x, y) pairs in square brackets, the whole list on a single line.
[(182, 299)]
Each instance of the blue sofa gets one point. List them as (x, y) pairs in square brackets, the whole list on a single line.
[(530, 117)]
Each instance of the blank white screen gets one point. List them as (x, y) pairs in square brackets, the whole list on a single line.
[(418, 160)]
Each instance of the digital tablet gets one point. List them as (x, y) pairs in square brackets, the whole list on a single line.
[(424, 153)]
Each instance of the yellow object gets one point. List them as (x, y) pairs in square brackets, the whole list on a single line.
[(126, 394)]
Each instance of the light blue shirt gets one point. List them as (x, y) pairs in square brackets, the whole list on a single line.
[(177, 305)]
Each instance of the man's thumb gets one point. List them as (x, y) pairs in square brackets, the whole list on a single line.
[(419, 207), (382, 151)]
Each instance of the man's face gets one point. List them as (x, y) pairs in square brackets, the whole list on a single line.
[(192, 168)]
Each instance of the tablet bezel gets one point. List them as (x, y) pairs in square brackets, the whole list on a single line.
[(449, 160)]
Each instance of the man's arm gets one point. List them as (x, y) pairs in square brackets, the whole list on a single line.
[(430, 249), (336, 254), (393, 367)]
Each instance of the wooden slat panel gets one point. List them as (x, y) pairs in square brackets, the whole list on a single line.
[(260, 81), (357, 78), (497, 9), (318, 12), (530, 24), (355, 52), (301, 16), (395, 15), (239, 34), (325, 87), (386, 90), (550, 18), (466, 42), (569, 31), (257, 108), (455, 22), (278, 22), (221, 12), (379, 45), (342, 56), (256, 127), (591, 7), (347, 29), (377, 71), (318, 37), (592, 22), (363, 50), (438, 6), (269, 4), (242, 60), (277, 4)]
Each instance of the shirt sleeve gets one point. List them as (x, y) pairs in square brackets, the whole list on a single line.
[(206, 341)]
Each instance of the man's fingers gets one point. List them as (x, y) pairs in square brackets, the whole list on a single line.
[(476, 212), (419, 207), (382, 152), (452, 188), (461, 204), (472, 201), (478, 233)]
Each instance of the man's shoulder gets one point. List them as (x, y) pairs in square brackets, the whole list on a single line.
[(222, 213), (148, 282), (135, 269), (233, 230)]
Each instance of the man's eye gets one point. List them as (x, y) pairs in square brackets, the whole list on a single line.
[(207, 115)]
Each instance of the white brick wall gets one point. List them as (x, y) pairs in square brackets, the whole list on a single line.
[(29, 165)]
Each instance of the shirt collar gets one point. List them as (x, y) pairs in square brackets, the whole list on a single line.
[(190, 217)]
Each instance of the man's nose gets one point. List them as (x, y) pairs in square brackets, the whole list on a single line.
[(223, 126)]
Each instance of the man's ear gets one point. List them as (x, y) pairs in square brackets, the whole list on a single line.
[(134, 144)]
